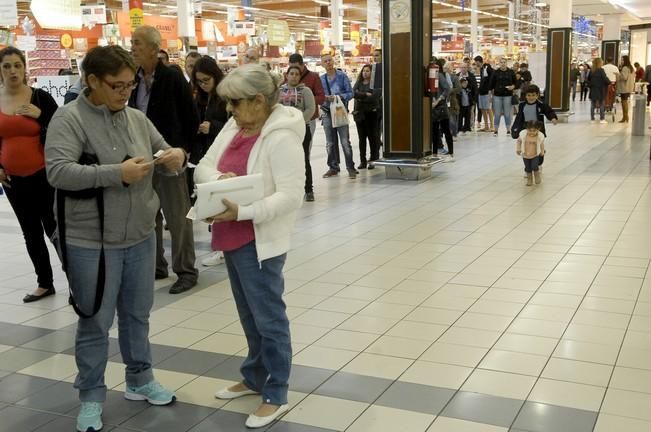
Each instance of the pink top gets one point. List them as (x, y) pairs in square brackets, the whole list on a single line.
[(228, 236)]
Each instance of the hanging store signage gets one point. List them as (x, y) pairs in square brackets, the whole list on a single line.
[(56, 86), (5, 37), (93, 14), (57, 14), (26, 43), (277, 32), (244, 28), (373, 14), (136, 14), (8, 13)]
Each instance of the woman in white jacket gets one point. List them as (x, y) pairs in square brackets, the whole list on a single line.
[(261, 137)]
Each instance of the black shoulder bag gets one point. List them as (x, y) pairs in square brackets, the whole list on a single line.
[(98, 194)]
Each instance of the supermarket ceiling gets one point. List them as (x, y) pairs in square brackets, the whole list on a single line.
[(303, 15)]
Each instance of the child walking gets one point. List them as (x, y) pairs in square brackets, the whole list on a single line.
[(533, 109), (533, 142)]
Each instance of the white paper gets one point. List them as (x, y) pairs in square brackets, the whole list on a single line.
[(239, 190)]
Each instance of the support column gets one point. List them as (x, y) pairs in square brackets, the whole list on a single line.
[(336, 18), (559, 56), (474, 23), (511, 28), (612, 38), (407, 49)]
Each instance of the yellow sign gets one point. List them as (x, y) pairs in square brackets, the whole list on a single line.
[(278, 32), (136, 18), (66, 41)]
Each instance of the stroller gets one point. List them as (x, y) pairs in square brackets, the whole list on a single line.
[(611, 100)]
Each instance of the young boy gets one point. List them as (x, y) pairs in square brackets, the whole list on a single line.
[(532, 109), (465, 103), (533, 142)]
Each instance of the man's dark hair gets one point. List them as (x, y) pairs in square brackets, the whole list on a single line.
[(167, 56), (609, 60), (479, 59), (296, 58), (193, 54)]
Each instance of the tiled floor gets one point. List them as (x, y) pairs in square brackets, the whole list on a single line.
[(468, 302)]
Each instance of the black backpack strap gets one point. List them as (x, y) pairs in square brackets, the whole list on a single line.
[(101, 271)]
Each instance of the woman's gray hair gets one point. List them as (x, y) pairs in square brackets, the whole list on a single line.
[(248, 81)]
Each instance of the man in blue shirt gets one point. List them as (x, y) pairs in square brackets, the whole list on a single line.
[(336, 83)]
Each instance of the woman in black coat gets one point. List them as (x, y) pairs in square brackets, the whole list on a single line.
[(205, 78), (598, 83)]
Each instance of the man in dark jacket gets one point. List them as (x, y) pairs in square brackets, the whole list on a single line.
[(473, 90), (484, 99), (165, 97)]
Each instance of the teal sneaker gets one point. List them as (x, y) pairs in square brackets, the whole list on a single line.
[(153, 392), (90, 417)]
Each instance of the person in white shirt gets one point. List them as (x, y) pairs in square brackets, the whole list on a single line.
[(612, 71)]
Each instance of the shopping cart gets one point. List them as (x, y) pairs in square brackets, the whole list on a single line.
[(611, 101)]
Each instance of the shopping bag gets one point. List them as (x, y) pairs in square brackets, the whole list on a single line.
[(338, 112)]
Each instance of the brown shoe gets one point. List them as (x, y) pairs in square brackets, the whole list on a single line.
[(529, 179), (330, 173), (536, 175)]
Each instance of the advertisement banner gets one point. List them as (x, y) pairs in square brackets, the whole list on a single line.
[(93, 14), (246, 28), (136, 14), (8, 13), (278, 32), (57, 86)]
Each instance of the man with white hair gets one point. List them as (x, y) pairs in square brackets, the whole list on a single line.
[(163, 94)]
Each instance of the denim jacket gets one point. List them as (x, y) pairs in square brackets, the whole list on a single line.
[(340, 87)]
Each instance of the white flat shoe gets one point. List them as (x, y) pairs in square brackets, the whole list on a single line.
[(254, 422), (226, 394)]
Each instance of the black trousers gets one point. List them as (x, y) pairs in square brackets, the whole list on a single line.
[(464, 119), (368, 129), (32, 199), (441, 126), (307, 147), (584, 92)]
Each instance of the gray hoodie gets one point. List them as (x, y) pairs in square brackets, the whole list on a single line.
[(81, 127)]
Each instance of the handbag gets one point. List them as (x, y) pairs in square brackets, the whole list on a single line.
[(338, 113), (98, 194)]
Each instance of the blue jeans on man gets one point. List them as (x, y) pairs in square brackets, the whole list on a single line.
[(258, 292), (502, 106), (334, 136), (129, 288)]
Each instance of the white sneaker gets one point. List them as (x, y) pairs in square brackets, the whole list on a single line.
[(213, 260), (603, 122), (448, 159)]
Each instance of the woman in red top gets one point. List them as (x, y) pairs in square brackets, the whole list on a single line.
[(24, 117)]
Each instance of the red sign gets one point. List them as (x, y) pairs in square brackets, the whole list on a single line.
[(453, 45)]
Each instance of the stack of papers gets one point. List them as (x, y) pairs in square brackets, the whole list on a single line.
[(239, 190)]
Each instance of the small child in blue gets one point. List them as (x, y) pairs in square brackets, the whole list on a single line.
[(531, 145)]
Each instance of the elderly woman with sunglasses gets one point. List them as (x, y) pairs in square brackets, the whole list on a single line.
[(98, 125), (261, 137)]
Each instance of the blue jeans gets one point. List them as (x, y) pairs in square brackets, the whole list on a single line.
[(531, 164), (598, 104), (502, 106), (258, 292), (129, 288), (333, 137)]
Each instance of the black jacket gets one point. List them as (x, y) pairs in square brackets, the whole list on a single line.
[(46, 103), (363, 102), (171, 108), (215, 113), (484, 84), (542, 110), (598, 82), (500, 79)]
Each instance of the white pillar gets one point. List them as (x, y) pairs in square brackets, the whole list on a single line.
[(185, 9), (560, 13), (474, 23), (612, 27), (336, 16), (511, 28), (538, 40)]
